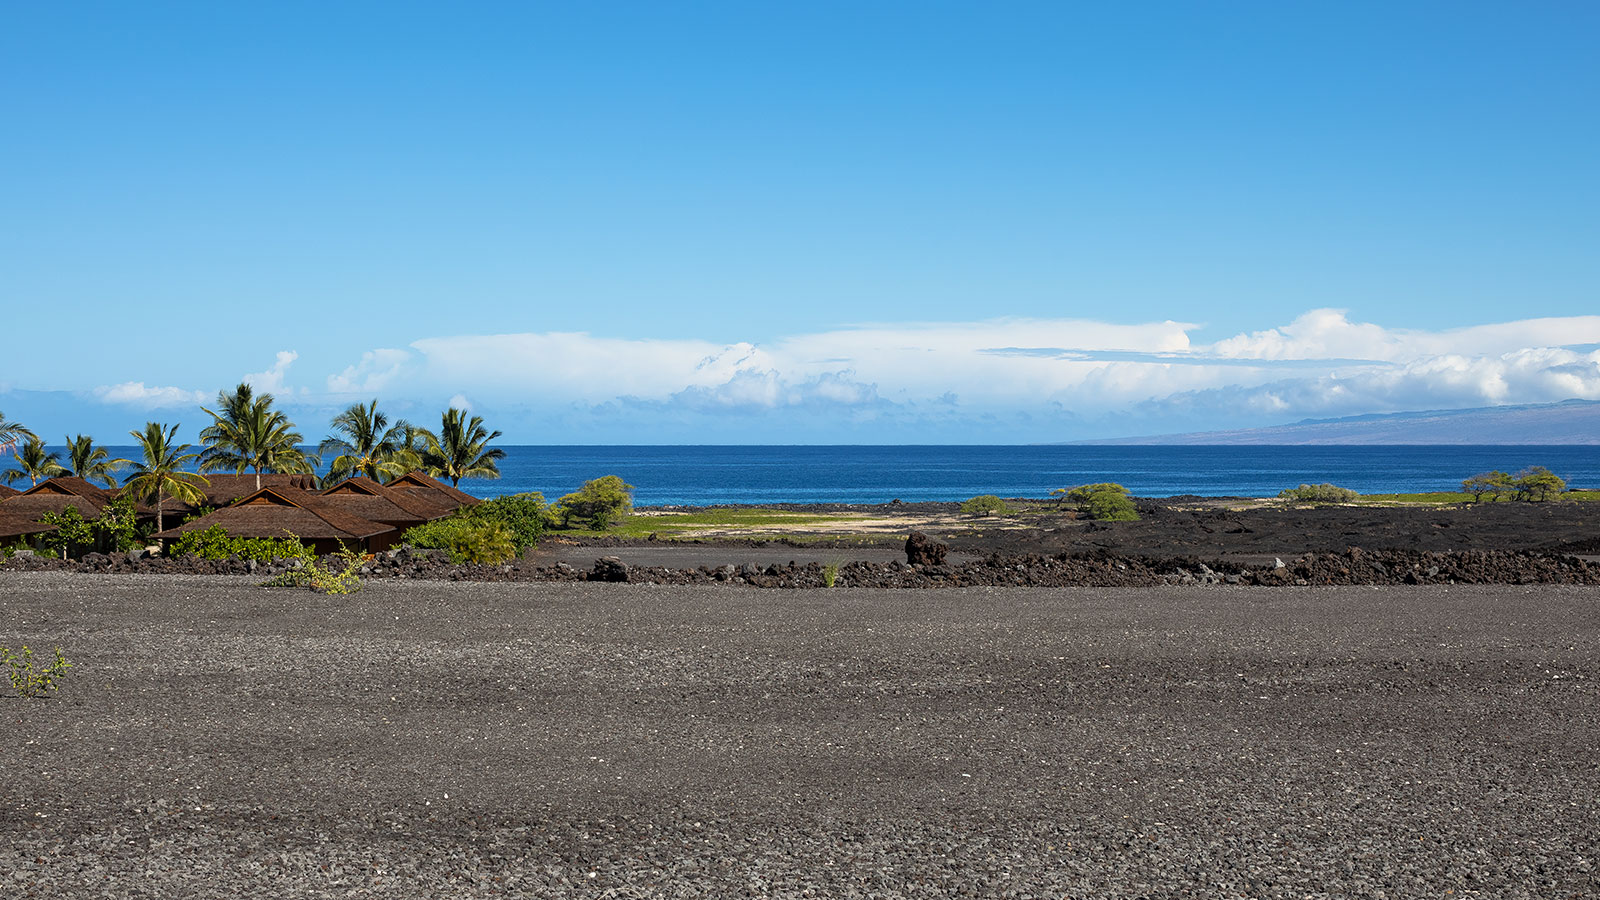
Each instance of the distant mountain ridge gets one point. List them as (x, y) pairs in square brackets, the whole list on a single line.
[(1567, 422)]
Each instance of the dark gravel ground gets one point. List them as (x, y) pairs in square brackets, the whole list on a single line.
[(549, 740)]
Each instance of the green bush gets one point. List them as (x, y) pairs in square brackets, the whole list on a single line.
[(1538, 483), (1103, 501), (1083, 492), (465, 539), (1319, 493), (524, 517), (1110, 506), (986, 505), (598, 504), (216, 543)]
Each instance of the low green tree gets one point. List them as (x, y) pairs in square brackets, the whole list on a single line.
[(71, 530), (117, 528), (1495, 484), (1538, 483), (1104, 501), (597, 505), (986, 505)]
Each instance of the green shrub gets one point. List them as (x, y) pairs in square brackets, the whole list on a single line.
[(1083, 492), (216, 543), (524, 517), (830, 574), (465, 539), (1538, 483), (1110, 506), (31, 680), (1103, 501), (597, 505), (986, 505), (1319, 493)]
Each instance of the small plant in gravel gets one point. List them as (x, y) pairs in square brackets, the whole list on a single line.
[(29, 679), (342, 577), (830, 574)]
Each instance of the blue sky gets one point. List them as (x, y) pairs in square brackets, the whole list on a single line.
[(820, 222)]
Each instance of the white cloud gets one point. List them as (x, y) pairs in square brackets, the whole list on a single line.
[(374, 372), (1329, 334), (1320, 363), (135, 393), (272, 379), (460, 402)]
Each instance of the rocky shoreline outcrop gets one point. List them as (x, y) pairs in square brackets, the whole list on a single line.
[(1089, 569)]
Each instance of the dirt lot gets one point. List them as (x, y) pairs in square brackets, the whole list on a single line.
[(473, 740)]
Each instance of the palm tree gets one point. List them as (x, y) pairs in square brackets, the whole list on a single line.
[(460, 449), (11, 433), (90, 462), (250, 434), (34, 463), (367, 448), (162, 472)]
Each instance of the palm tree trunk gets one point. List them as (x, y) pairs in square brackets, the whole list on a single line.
[(258, 478), (159, 529)]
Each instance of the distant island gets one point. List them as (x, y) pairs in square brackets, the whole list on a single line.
[(1567, 422)]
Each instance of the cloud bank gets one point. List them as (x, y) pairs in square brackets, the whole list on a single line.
[(999, 379)]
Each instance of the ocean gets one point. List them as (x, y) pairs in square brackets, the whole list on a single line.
[(703, 475)]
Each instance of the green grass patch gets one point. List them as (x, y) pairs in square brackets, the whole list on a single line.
[(1433, 497), (755, 520), (1424, 497)]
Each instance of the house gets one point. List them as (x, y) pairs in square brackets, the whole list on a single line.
[(20, 512), (355, 512), (427, 487), (375, 502), (223, 489), (282, 512)]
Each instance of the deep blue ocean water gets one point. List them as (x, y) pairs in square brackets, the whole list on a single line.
[(690, 475)]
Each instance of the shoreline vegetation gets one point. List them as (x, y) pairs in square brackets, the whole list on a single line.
[(249, 437)]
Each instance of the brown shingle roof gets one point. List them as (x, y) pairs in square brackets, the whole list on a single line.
[(17, 524), (224, 488), (7, 490), (56, 494), (279, 512), (371, 500), (421, 484)]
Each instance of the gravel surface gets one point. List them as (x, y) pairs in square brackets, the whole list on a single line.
[(427, 739)]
